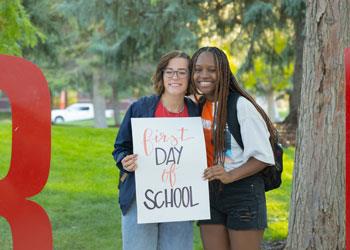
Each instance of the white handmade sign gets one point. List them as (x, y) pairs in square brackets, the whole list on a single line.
[(171, 161)]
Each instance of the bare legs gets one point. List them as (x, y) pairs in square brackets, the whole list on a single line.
[(246, 240), (215, 237), (218, 237)]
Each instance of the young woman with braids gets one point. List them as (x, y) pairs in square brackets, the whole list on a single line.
[(237, 195)]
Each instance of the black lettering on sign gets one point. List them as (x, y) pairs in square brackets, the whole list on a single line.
[(164, 157), (178, 197)]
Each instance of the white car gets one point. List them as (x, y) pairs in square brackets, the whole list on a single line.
[(76, 112)]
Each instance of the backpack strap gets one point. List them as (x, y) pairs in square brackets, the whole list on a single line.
[(232, 119)]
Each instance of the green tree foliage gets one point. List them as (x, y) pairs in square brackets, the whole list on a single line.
[(50, 54), (130, 31), (294, 9), (122, 40), (255, 28), (257, 33), (16, 29), (44, 14)]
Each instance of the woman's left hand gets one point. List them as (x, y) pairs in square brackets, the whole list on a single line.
[(217, 172)]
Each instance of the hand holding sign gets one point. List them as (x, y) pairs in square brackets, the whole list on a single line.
[(129, 162)]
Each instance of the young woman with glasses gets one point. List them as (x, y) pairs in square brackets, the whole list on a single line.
[(171, 83)]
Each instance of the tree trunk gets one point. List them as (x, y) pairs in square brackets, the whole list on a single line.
[(294, 99), (99, 102), (271, 110), (115, 104), (317, 212)]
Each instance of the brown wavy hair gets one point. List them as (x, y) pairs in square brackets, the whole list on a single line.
[(157, 78), (226, 83)]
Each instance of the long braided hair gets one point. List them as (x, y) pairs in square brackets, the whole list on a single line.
[(226, 83)]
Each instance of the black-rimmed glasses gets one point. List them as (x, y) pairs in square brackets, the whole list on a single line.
[(181, 73)]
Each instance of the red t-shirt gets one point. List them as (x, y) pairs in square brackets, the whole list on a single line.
[(161, 111)]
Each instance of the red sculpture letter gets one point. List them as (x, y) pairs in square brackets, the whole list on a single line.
[(27, 90)]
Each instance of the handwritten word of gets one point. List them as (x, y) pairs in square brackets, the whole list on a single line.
[(169, 175)]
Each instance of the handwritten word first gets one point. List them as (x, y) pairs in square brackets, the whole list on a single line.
[(153, 138)]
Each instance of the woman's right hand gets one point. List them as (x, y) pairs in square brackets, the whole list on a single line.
[(129, 162)]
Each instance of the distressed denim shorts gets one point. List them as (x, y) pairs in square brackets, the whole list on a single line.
[(240, 205)]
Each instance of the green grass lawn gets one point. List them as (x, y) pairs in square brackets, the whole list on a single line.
[(81, 196), (86, 123)]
